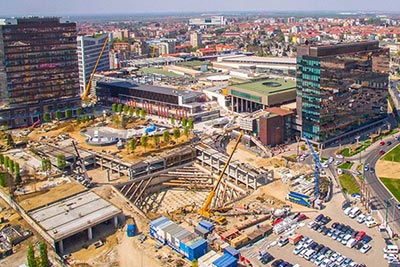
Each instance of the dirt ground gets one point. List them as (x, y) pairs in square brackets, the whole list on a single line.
[(40, 198), (388, 169)]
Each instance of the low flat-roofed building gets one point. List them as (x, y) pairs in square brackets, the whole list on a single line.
[(252, 96), (81, 212)]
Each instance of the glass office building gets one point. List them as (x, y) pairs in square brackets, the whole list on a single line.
[(38, 69), (341, 89)]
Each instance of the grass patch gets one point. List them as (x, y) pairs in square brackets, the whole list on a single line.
[(393, 185), (348, 184), (346, 165), (324, 159), (345, 152), (160, 72), (393, 155)]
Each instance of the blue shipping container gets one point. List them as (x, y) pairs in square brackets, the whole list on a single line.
[(231, 251), (198, 249), (207, 225), (130, 230), (226, 261)]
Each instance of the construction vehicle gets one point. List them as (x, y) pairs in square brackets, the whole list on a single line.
[(185, 209), (153, 52), (86, 92), (206, 211), (82, 169)]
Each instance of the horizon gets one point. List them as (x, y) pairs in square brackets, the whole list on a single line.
[(18, 8)]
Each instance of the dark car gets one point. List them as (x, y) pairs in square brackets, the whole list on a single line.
[(318, 248), (325, 231), (326, 219), (334, 225), (339, 227), (388, 143), (276, 263), (313, 245), (366, 239), (359, 245), (319, 217), (323, 250), (267, 258)]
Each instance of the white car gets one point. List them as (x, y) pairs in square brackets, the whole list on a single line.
[(311, 224), (347, 210), (340, 171), (337, 163), (361, 218), (390, 256), (364, 249), (325, 263), (339, 156)]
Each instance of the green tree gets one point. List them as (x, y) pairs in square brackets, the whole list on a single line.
[(31, 257), (18, 179), (46, 117), (137, 112), (61, 162), (58, 115), (68, 114), (44, 259), (132, 144), (79, 112), (131, 111), (46, 165), (17, 169), (172, 120), (126, 109), (3, 180), (184, 122), (190, 123), (5, 163), (143, 113), (114, 107), (1, 159), (11, 166), (119, 108), (156, 140), (10, 140), (176, 133), (186, 132), (144, 141), (166, 136)]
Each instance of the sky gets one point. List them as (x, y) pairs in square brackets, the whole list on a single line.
[(11, 8)]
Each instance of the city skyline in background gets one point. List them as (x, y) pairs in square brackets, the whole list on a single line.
[(92, 7)]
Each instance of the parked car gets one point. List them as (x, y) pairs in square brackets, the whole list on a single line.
[(361, 218), (364, 249), (360, 235), (283, 241)]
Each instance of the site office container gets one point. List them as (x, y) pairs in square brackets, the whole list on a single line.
[(197, 249), (231, 251), (225, 261), (207, 259), (176, 239), (162, 231), (154, 225), (172, 232), (184, 246), (295, 239), (201, 231), (239, 241), (207, 225)]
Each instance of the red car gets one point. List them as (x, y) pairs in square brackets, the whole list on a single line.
[(382, 143), (381, 152), (360, 236)]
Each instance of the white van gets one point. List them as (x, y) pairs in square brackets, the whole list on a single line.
[(354, 212), (347, 210), (309, 254), (391, 249)]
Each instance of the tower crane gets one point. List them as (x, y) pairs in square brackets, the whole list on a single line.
[(87, 88), (206, 210), (318, 167)]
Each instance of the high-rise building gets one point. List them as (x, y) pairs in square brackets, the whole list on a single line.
[(341, 89), (195, 39), (89, 49), (38, 69), (208, 21)]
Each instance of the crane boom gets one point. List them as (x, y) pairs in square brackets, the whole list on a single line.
[(318, 167), (86, 92), (206, 209)]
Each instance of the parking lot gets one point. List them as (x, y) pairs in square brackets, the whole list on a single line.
[(374, 257)]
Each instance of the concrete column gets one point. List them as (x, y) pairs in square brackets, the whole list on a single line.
[(108, 175), (236, 176), (90, 233), (111, 167), (241, 105), (101, 163), (247, 180), (115, 220), (119, 170), (61, 246)]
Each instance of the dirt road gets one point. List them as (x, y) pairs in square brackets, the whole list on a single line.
[(130, 255)]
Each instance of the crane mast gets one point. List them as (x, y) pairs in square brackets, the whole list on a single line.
[(206, 209)]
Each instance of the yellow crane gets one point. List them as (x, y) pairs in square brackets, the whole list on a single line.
[(206, 210), (86, 92)]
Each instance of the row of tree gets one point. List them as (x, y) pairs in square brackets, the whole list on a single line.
[(144, 139), (42, 260), (11, 166), (127, 110), (59, 114)]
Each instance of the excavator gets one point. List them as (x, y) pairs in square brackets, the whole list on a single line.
[(206, 210), (89, 82)]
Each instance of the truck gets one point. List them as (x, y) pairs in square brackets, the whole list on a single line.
[(294, 239), (300, 199)]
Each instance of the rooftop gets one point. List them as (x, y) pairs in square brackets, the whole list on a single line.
[(268, 86), (73, 215)]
